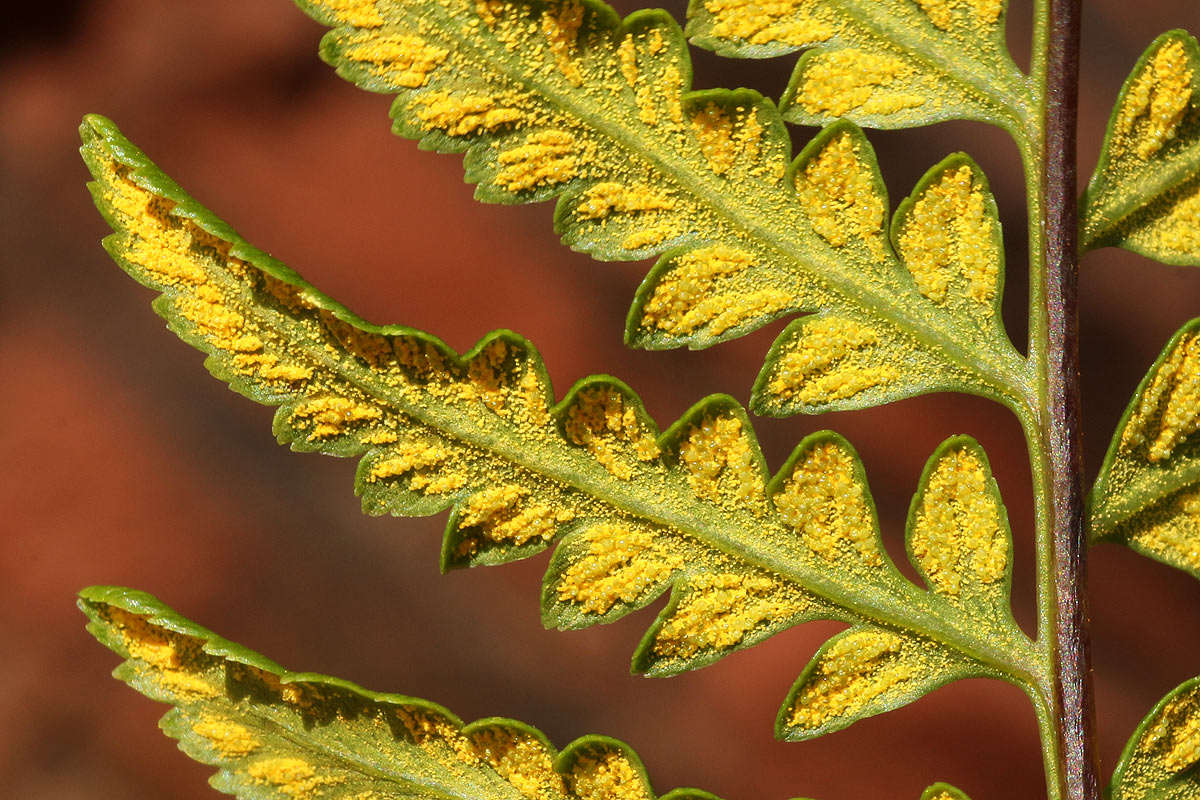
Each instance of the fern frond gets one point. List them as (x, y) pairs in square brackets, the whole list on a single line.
[(1147, 494), (560, 99), (1159, 761), (1145, 193), (691, 509), (880, 63), (286, 735)]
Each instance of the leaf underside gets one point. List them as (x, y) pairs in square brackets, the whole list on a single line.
[(879, 63), (1148, 492), (1145, 193), (280, 735), (1159, 761), (691, 510), (562, 99)]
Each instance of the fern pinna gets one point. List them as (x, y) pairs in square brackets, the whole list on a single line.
[(562, 99)]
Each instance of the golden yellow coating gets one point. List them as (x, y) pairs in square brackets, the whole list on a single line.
[(855, 669), (627, 57), (1177, 231), (466, 114), (1168, 411), (957, 537), (290, 776), (982, 12), (948, 234), (1173, 742), (228, 738), (826, 504), (359, 13), (521, 760), (793, 22), (727, 138), (426, 461), (607, 198), (840, 196), (1173, 532), (174, 663), (602, 420), (720, 461), (606, 777), (560, 25), (827, 362), (1155, 103), (693, 294), (546, 157), (401, 59), (720, 610), (327, 416), (842, 81), (619, 566), (502, 516)]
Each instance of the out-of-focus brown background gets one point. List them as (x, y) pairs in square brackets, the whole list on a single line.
[(124, 462)]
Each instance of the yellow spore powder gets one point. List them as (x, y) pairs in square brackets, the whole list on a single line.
[(827, 362), (619, 566), (826, 504), (502, 515), (982, 12), (726, 138), (328, 417), (856, 669), (843, 81), (546, 157), (947, 234), (1155, 103), (839, 194), (609, 776), (601, 420), (1169, 409), (466, 114), (560, 25), (290, 776), (720, 462), (228, 738), (957, 538), (176, 664), (401, 59), (521, 760), (1174, 740), (607, 198), (360, 13), (697, 292), (1173, 532), (792, 22), (720, 610), (1177, 231)]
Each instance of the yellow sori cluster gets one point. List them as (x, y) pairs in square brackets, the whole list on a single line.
[(839, 194), (1174, 531), (827, 363), (620, 564), (290, 776), (228, 738), (1175, 737), (957, 538), (719, 610), (609, 776), (1173, 398), (521, 760), (793, 22), (328, 417), (852, 672), (695, 293), (425, 461), (727, 137), (1158, 99), (857, 80), (173, 663), (545, 157), (948, 233), (606, 198), (824, 501), (1178, 231), (560, 25), (466, 114), (403, 60), (941, 12), (720, 462), (601, 420), (497, 511), (359, 13)]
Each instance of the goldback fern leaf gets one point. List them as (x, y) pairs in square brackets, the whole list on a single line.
[(1159, 761), (562, 99), (1145, 193), (692, 509), (880, 63), (275, 734), (1148, 492)]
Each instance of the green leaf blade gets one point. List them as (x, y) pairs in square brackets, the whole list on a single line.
[(560, 99), (1159, 760), (1145, 193), (692, 509), (1147, 494)]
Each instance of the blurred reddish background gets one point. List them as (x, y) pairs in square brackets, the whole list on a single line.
[(124, 462)]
